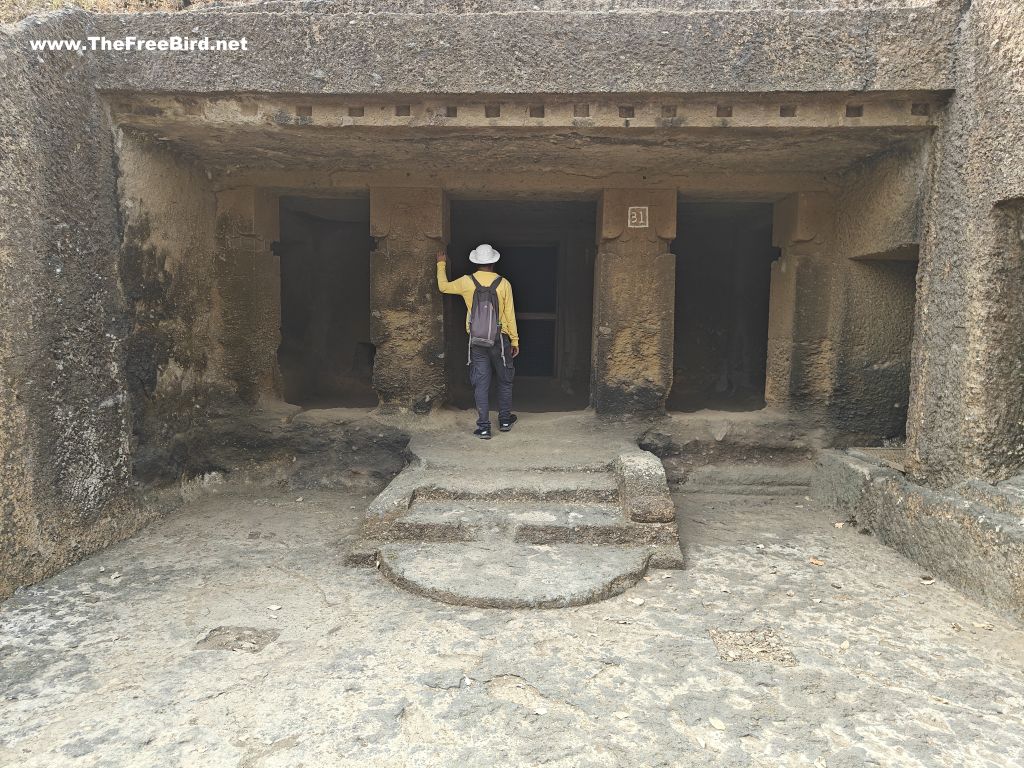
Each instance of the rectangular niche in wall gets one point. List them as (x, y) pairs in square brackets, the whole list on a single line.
[(326, 358), (872, 387), (1006, 365)]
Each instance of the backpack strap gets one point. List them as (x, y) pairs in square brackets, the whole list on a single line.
[(492, 287)]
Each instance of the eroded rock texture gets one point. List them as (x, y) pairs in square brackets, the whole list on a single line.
[(140, 242), (967, 398)]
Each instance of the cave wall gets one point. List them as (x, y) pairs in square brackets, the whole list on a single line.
[(65, 415), (173, 359), (966, 415)]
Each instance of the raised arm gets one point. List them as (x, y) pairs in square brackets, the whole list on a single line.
[(443, 283)]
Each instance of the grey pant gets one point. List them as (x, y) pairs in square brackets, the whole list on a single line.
[(481, 362)]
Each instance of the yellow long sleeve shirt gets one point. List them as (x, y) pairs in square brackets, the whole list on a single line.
[(464, 287)]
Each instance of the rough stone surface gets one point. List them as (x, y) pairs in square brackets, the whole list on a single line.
[(321, 143), (634, 296), (766, 440), (881, 205), (971, 535), (173, 364), (888, 671), (643, 490), (752, 645), (522, 521), (877, 236), (248, 290), (758, 477), (245, 639), (334, 448), (801, 351), (560, 511), (409, 226), (492, 574), (113, 332), (65, 424), (967, 389), (842, 298), (828, 48)]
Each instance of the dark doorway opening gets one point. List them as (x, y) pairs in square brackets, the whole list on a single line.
[(533, 270), (547, 254), (325, 357), (723, 273)]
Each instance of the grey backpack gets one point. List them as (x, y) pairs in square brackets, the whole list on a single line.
[(484, 325)]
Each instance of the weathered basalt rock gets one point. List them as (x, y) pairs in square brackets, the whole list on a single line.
[(643, 490), (970, 535)]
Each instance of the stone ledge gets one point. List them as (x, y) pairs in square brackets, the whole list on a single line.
[(971, 536), (164, 114)]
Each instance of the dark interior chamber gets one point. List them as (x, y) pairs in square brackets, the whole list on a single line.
[(723, 273), (547, 254), (325, 357)]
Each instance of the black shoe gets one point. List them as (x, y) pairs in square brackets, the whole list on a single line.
[(483, 434), (506, 426)]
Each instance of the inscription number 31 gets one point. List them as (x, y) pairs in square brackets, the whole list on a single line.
[(637, 217)]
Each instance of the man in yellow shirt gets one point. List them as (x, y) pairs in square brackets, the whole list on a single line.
[(483, 359)]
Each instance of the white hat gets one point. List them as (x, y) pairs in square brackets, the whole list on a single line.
[(484, 254)]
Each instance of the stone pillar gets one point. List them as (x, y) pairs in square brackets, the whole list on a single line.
[(801, 359), (409, 225), (248, 274), (634, 301)]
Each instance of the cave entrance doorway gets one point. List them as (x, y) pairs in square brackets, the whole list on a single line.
[(723, 275), (547, 254), (325, 357)]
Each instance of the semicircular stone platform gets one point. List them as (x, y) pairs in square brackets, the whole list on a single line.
[(560, 513), (496, 574)]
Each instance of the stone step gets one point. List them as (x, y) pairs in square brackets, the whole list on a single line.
[(499, 574), (510, 485), (744, 490), (545, 522), (798, 473), (494, 516), (532, 522), (750, 479)]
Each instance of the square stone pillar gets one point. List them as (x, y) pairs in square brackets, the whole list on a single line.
[(634, 301), (801, 358), (248, 274), (409, 226)]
